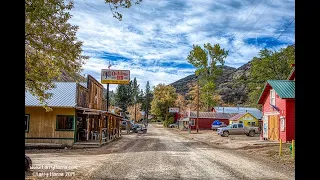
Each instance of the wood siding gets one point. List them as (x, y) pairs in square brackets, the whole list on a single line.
[(205, 123), (82, 96), (42, 125), (290, 120), (245, 120), (95, 90)]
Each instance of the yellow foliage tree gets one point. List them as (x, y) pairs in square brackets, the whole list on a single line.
[(134, 112)]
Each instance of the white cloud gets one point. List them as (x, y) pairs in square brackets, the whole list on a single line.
[(157, 32)]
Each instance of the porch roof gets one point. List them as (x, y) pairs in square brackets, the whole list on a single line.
[(97, 111)]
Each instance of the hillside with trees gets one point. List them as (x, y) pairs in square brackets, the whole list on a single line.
[(243, 85)]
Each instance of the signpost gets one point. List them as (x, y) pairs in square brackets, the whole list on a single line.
[(112, 76)]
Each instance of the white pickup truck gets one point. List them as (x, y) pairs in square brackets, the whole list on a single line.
[(238, 129)]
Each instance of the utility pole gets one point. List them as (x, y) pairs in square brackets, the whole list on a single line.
[(198, 106), (108, 97)]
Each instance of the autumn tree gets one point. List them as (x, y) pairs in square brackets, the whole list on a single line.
[(51, 45), (115, 4), (205, 60), (164, 97), (134, 112), (192, 98)]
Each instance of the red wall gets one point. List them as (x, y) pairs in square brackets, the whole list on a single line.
[(280, 103), (288, 107), (290, 120), (205, 123)]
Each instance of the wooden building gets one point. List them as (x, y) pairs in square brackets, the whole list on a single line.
[(246, 119), (78, 115), (278, 107), (206, 119)]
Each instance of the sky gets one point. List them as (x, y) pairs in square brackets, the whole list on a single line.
[(155, 37)]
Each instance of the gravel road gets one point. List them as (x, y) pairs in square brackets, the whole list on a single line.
[(161, 154)]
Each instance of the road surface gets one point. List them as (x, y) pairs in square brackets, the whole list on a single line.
[(161, 154)]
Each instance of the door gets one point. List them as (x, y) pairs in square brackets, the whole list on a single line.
[(240, 129), (273, 127), (265, 127), (234, 129)]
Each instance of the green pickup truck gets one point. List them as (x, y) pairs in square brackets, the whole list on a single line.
[(238, 129)]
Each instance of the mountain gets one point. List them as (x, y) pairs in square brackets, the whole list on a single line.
[(231, 85)]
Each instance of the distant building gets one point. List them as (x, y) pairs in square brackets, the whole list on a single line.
[(236, 110)]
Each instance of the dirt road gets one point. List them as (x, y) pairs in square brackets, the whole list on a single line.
[(159, 154)]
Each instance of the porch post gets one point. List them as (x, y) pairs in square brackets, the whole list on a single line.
[(88, 126), (100, 122)]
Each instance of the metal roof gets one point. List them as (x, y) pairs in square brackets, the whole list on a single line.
[(284, 88), (238, 116), (217, 115), (63, 95), (236, 110)]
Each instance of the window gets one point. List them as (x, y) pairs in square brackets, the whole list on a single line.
[(272, 97), (240, 125), (235, 126), (249, 123), (64, 122), (253, 123), (26, 122)]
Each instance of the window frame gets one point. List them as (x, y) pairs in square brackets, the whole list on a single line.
[(272, 98), (28, 123), (68, 116)]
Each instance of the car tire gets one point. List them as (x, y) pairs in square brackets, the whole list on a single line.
[(251, 133), (225, 133)]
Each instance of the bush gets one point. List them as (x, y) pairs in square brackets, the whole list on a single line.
[(167, 122)]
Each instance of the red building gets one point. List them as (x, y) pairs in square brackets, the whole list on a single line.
[(278, 108), (207, 118)]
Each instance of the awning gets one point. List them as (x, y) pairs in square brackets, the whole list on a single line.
[(95, 111)]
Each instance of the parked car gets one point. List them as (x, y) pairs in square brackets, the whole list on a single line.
[(27, 163), (136, 127), (238, 129), (217, 124), (174, 125)]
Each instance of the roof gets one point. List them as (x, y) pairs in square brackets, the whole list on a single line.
[(217, 115), (63, 95), (284, 88), (236, 110), (292, 74), (238, 116)]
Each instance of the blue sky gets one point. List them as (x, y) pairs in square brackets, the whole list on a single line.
[(155, 37)]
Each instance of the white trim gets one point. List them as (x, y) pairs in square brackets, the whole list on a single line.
[(273, 92), (271, 113)]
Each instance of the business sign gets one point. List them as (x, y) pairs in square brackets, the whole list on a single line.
[(111, 76), (173, 109)]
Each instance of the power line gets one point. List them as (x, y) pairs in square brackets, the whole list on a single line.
[(258, 19), (255, 24), (250, 13), (248, 17), (285, 28)]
